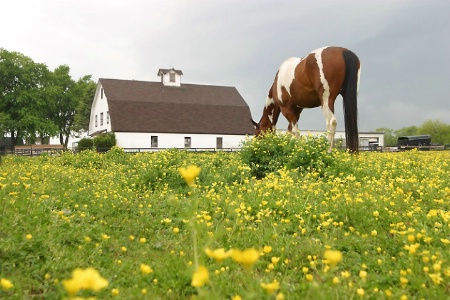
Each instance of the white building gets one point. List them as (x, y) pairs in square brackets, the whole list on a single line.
[(367, 140), (169, 114)]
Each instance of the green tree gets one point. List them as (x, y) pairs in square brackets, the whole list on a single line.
[(64, 96), (407, 131), (23, 95), (83, 110), (439, 131), (390, 139)]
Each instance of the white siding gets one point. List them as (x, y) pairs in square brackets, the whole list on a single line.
[(166, 79), (365, 138), (99, 106), (173, 140)]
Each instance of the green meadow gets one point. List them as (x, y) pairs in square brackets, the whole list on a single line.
[(281, 219)]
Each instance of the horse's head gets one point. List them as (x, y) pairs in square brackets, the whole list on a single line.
[(257, 128), (262, 126)]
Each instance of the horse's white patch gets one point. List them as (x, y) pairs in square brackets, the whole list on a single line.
[(331, 123), (269, 101), (286, 75), (294, 129), (323, 80)]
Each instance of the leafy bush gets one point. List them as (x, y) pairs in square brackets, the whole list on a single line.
[(85, 144), (101, 143), (105, 141), (271, 152)]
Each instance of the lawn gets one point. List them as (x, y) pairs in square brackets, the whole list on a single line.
[(180, 225)]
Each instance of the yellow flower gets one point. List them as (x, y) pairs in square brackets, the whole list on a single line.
[(28, 236), (267, 249), (332, 257), (360, 292), (275, 260), (6, 284), (363, 275), (176, 230), (142, 240), (270, 288), (200, 277), (437, 278), (115, 292), (403, 281), (247, 258), (146, 269), (218, 254), (88, 279), (189, 174)]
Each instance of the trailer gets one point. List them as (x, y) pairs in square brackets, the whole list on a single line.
[(421, 142)]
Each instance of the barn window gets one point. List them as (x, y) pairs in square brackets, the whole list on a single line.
[(219, 143), (101, 119), (172, 76), (107, 117), (96, 120), (154, 141), (187, 142), (101, 97)]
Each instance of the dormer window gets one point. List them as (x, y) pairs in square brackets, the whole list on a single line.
[(170, 77)]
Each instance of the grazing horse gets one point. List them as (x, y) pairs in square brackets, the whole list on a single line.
[(312, 81)]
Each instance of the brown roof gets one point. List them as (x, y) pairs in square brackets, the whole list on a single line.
[(140, 106)]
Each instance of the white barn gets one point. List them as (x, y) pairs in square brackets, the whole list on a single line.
[(169, 114)]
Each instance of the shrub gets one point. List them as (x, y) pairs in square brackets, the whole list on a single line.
[(271, 152), (85, 144), (101, 143), (105, 141)]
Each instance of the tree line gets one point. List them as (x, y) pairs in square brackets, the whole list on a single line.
[(439, 131), (37, 103)]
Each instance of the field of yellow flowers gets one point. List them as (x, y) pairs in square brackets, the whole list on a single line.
[(179, 225)]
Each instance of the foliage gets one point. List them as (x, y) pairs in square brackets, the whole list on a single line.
[(271, 152), (23, 94), (390, 138), (439, 131), (86, 143), (101, 143), (372, 226), (104, 142), (38, 103)]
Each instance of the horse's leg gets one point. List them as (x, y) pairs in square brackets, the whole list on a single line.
[(292, 114), (330, 119)]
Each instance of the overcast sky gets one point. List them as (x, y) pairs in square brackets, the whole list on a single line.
[(404, 47)]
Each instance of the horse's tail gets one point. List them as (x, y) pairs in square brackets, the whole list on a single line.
[(349, 94)]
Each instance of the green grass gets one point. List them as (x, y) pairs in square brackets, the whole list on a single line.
[(387, 213)]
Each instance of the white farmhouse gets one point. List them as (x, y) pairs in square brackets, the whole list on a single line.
[(169, 114)]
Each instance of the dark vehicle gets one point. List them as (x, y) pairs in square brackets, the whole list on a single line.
[(414, 141)]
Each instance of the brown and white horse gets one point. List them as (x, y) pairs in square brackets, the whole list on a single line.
[(312, 81)]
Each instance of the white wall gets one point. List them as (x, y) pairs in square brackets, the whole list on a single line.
[(173, 140), (166, 79), (99, 105), (365, 138)]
